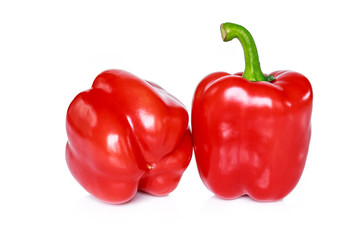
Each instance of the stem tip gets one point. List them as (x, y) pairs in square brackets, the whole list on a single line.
[(223, 32)]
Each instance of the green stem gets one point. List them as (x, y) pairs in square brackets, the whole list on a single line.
[(252, 72)]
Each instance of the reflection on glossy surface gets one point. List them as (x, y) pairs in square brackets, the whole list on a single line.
[(238, 94), (261, 101), (84, 112), (147, 119), (112, 142), (226, 130), (307, 96), (264, 180)]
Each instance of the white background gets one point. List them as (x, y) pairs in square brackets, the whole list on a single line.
[(50, 51)]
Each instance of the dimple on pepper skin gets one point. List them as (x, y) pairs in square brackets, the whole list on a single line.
[(251, 131), (124, 135)]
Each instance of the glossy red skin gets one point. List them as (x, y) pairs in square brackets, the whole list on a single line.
[(252, 138), (125, 135)]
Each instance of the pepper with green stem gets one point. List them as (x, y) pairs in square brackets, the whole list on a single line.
[(251, 131)]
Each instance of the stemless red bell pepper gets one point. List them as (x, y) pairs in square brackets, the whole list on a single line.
[(251, 131), (126, 134)]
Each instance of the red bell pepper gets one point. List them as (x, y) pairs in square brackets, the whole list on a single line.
[(251, 131), (126, 134)]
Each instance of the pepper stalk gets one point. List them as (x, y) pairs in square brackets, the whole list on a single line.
[(252, 72)]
